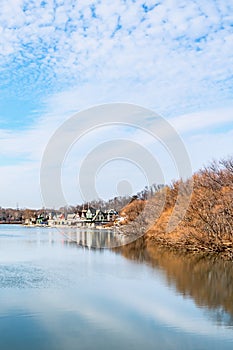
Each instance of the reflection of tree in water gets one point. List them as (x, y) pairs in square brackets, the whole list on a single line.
[(207, 280), (220, 316)]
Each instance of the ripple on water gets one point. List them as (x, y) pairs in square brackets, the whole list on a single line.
[(24, 275)]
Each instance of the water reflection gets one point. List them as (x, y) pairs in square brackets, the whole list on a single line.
[(93, 238), (207, 280), (55, 295)]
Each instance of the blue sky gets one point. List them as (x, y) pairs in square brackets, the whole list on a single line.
[(60, 57)]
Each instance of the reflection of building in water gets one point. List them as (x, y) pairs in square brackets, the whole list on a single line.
[(94, 238)]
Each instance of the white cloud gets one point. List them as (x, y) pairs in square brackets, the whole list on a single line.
[(203, 119)]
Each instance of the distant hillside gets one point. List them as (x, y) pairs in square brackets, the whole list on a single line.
[(131, 211)]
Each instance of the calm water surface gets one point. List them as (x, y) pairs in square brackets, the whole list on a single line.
[(55, 294)]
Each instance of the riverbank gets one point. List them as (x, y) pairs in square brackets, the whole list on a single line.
[(89, 227), (183, 243), (207, 224)]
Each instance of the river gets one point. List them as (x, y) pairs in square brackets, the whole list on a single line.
[(58, 295)]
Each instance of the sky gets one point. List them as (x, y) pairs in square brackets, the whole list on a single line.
[(58, 58)]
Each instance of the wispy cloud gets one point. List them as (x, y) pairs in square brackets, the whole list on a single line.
[(24, 149), (204, 119)]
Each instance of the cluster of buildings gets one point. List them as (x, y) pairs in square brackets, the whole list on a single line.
[(86, 217)]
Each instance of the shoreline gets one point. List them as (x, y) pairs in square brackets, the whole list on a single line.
[(184, 245), (11, 223), (98, 227), (177, 242)]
